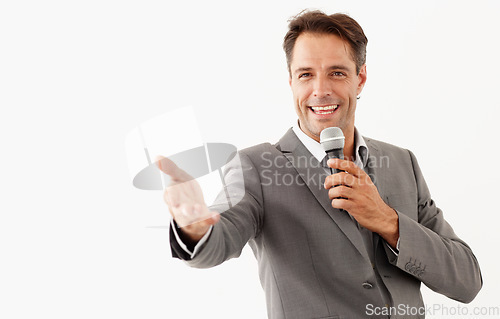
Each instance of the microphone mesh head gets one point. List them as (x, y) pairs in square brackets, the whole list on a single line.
[(332, 138)]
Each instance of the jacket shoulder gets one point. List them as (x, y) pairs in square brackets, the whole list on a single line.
[(259, 149), (387, 148)]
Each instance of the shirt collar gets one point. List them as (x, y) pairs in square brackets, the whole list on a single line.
[(361, 149), (315, 148)]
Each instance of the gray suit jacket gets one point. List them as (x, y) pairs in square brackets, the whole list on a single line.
[(312, 260)]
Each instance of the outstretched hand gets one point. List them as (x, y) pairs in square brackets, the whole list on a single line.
[(185, 202)]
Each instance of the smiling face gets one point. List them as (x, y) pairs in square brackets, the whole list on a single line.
[(325, 84)]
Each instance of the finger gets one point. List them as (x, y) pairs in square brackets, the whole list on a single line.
[(168, 167), (340, 192), (341, 178), (345, 165), (341, 203)]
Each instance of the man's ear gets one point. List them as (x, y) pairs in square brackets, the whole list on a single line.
[(361, 79), (290, 80)]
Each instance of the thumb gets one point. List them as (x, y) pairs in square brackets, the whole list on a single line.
[(158, 160)]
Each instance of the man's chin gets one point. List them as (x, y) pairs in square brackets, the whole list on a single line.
[(314, 131), (317, 131)]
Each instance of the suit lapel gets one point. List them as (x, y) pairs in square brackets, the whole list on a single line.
[(377, 172), (313, 175)]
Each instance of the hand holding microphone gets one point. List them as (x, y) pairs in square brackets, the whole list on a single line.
[(351, 189)]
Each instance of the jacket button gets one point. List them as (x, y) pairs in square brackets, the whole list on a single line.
[(367, 285)]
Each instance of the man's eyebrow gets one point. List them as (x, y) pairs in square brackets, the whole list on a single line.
[(333, 67), (303, 69), (339, 67)]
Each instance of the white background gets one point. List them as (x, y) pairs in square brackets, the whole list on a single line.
[(77, 76)]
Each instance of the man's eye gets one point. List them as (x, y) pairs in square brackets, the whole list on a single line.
[(304, 75), (338, 73)]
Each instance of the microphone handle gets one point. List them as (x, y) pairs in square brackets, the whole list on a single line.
[(335, 153)]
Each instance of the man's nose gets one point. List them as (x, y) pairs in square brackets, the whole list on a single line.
[(322, 87)]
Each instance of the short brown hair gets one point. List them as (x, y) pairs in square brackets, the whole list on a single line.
[(318, 22)]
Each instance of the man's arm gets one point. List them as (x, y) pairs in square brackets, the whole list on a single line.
[(428, 247), (431, 251), (238, 223)]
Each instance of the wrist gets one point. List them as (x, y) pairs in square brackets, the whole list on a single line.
[(192, 237), (391, 231)]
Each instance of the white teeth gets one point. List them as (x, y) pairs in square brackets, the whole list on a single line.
[(325, 108)]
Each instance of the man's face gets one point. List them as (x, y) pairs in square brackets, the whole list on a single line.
[(324, 83)]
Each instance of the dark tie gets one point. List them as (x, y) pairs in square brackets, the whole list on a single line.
[(325, 165)]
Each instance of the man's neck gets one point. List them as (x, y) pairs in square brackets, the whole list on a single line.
[(349, 144)]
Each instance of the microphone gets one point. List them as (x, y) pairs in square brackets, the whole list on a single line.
[(332, 139)]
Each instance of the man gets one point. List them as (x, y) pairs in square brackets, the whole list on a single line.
[(356, 244)]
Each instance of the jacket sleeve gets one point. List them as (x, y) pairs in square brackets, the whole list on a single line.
[(432, 252), (239, 221)]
